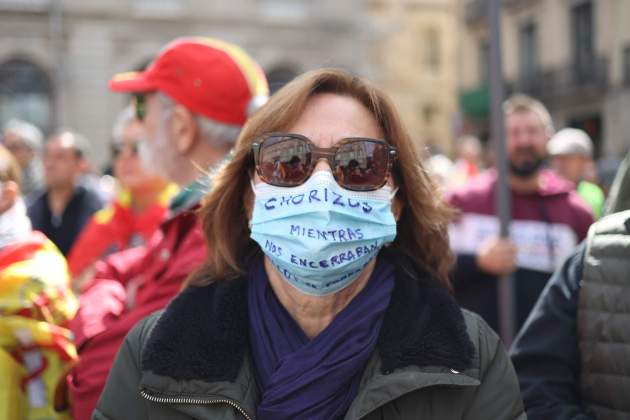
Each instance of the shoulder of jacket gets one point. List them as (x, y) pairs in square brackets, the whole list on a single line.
[(609, 236), (611, 224), (484, 338), (139, 335)]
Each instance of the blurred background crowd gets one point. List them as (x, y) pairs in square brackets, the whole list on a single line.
[(71, 167)]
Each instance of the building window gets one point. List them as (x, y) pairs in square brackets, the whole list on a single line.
[(626, 65), (429, 112), (528, 53), (25, 93), (583, 42), (432, 50), (592, 124), (280, 76)]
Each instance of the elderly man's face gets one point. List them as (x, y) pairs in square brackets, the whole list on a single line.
[(127, 166), (157, 152), (18, 148), (526, 141)]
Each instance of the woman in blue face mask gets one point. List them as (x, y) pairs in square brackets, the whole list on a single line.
[(326, 295)]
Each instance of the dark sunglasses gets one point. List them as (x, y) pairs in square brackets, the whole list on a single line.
[(140, 106), (358, 164), (119, 147)]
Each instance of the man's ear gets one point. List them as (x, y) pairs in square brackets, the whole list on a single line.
[(183, 129)]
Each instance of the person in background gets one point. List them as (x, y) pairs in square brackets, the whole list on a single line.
[(573, 354), (36, 303), (571, 156), (441, 168), (468, 163), (192, 100), (63, 208), (25, 141), (548, 219), (132, 218), (327, 296)]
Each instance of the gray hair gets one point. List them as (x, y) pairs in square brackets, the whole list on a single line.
[(217, 133), (124, 118), (29, 133)]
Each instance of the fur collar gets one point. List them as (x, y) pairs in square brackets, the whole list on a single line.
[(203, 335)]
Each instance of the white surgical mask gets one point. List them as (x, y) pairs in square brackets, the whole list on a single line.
[(318, 235)]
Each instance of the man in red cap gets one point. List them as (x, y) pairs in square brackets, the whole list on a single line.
[(193, 100)]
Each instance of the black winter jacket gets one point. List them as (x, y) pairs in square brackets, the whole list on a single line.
[(432, 361), (545, 352)]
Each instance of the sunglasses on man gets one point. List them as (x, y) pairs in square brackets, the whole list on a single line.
[(358, 164), (119, 147), (140, 106)]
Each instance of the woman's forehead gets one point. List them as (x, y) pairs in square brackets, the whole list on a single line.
[(328, 117)]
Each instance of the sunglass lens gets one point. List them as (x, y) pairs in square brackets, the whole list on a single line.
[(361, 165), (135, 147), (116, 150), (132, 147), (140, 107), (284, 160)]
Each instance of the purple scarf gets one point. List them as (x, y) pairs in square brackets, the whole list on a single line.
[(318, 379)]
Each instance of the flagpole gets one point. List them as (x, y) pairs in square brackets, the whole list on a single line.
[(506, 293)]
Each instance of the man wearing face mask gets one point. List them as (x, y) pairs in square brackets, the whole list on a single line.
[(548, 219), (193, 100)]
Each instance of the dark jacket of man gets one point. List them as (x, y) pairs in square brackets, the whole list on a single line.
[(573, 355), (64, 229), (432, 361)]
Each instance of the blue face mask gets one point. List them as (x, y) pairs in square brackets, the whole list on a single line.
[(318, 235)]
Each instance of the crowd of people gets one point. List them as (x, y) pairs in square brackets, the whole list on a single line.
[(295, 257)]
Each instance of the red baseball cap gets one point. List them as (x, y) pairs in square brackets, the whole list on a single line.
[(209, 77)]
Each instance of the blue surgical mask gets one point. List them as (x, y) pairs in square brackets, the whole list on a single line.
[(318, 235)]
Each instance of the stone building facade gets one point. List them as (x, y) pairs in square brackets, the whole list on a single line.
[(416, 60), (56, 56), (574, 55)]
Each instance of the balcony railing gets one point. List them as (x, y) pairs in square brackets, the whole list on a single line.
[(476, 10), (564, 80)]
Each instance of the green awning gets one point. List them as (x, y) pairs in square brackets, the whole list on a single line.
[(475, 102)]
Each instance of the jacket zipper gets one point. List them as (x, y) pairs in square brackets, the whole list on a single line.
[(194, 400)]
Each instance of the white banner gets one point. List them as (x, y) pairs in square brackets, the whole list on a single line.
[(540, 246)]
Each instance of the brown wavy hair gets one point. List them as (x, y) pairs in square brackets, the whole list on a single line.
[(423, 222)]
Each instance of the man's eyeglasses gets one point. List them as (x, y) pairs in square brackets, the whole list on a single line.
[(140, 106), (119, 147), (358, 164)]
